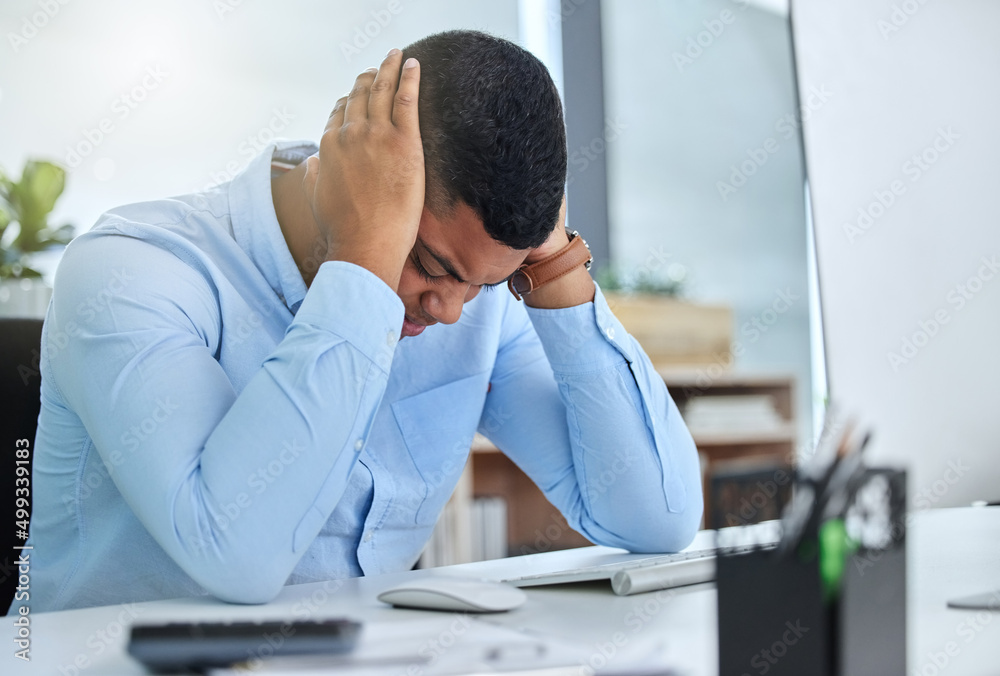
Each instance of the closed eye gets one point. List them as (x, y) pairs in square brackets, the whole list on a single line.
[(437, 279), (423, 271)]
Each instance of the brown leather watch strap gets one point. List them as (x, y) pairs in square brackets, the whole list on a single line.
[(527, 278)]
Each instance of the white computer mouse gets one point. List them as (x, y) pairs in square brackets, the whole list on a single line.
[(456, 594)]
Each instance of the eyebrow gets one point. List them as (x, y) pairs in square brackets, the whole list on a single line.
[(447, 266)]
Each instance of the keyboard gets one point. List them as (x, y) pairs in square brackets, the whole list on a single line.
[(650, 573)]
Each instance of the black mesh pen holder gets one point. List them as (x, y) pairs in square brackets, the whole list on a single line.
[(800, 614)]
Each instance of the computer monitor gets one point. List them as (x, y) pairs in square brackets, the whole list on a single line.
[(903, 174)]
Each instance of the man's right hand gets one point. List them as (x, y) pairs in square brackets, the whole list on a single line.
[(366, 185)]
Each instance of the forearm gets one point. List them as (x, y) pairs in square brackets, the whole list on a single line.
[(284, 451), (573, 288), (635, 462), (570, 290), (235, 485)]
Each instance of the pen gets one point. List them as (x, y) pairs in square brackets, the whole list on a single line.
[(809, 490)]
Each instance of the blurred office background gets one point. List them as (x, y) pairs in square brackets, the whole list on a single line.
[(685, 153)]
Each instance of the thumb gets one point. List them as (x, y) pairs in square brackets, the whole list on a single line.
[(309, 180), (312, 173)]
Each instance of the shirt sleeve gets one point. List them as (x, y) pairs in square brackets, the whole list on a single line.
[(193, 459), (577, 405)]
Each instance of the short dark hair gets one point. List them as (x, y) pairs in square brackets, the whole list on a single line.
[(493, 134)]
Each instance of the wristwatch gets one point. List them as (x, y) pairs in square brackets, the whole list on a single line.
[(527, 278)]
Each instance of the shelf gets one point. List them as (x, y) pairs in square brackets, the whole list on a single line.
[(786, 433), (687, 377)]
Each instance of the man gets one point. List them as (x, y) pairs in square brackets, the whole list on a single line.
[(227, 406)]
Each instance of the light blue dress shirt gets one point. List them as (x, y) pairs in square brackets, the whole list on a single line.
[(209, 426)]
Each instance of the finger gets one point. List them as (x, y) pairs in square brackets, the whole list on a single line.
[(357, 100), (404, 108), (309, 178), (384, 87), (336, 119)]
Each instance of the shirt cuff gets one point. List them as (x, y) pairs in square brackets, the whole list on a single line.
[(582, 339), (354, 304)]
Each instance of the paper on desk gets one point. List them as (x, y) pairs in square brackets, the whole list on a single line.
[(447, 646), (452, 644)]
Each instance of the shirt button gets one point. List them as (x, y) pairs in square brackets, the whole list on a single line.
[(359, 444), (390, 339), (368, 536), (610, 333)]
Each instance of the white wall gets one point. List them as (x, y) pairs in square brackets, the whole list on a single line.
[(680, 120), (907, 348), (226, 71)]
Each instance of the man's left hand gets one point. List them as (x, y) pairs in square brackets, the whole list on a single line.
[(556, 241), (571, 289)]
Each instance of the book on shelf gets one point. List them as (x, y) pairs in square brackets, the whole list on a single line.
[(467, 532), (713, 414)]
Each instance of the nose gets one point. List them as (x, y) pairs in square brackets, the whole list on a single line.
[(444, 305)]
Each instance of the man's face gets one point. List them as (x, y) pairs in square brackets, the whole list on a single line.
[(452, 260)]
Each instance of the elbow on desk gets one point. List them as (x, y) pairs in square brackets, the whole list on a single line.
[(244, 577), (672, 532), (659, 532), (243, 587)]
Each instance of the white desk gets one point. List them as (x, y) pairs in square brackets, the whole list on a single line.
[(952, 552)]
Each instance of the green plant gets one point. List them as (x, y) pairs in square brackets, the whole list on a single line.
[(25, 206), (612, 278)]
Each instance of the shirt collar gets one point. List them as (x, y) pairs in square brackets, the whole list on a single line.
[(255, 224)]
